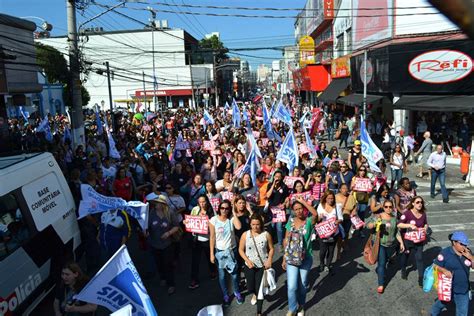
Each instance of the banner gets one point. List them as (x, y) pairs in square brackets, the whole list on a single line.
[(288, 152), (416, 236), (357, 222), (444, 287), (93, 202), (118, 284), (113, 152), (369, 149), (226, 195), (290, 181), (209, 145), (197, 224), (279, 215), (327, 228), (124, 311), (363, 185), (305, 196)]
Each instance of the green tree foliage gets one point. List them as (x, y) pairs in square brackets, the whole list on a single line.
[(56, 70), (206, 49)]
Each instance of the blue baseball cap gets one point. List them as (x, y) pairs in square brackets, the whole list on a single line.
[(460, 237)]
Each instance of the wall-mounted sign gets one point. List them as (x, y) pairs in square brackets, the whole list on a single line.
[(341, 67), (306, 46), (440, 66), (328, 9), (370, 72)]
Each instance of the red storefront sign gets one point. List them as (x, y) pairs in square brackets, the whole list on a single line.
[(167, 93), (328, 9), (312, 78)]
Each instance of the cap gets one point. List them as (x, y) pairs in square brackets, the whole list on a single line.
[(153, 197), (461, 237), (357, 142)]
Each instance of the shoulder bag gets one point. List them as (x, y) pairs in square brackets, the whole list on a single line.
[(371, 249)]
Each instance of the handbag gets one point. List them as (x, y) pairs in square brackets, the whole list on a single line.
[(371, 250), (338, 134)]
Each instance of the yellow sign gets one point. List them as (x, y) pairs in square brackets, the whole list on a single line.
[(306, 51), (341, 67)]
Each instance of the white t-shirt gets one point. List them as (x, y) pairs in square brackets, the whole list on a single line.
[(109, 172), (225, 236), (336, 212)]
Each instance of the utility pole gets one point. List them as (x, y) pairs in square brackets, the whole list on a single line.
[(216, 93), (364, 102), (77, 118), (153, 25), (144, 93), (110, 96), (206, 96), (192, 81)]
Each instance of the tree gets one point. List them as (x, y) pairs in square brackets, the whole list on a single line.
[(213, 44), (56, 70)]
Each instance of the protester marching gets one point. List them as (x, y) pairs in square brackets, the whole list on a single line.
[(243, 186)]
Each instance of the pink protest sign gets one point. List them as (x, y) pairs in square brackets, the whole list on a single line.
[(290, 181), (327, 228), (197, 224), (305, 196), (215, 203), (256, 134), (265, 141), (363, 185), (416, 236), (209, 145), (226, 195), (357, 222), (279, 215), (444, 287)]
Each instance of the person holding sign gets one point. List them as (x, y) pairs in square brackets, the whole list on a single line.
[(361, 187), (389, 233), (317, 187), (276, 195), (256, 249), (454, 262), (404, 195), (200, 242), (348, 205), (414, 226), (223, 248), (298, 257), (330, 215)]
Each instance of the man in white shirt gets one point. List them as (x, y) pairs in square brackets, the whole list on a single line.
[(108, 169), (437, 163)]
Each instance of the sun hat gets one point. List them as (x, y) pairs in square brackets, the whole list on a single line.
[(153, 197)]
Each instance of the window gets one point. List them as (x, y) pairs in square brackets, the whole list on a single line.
[(349, 40), (13, 229)]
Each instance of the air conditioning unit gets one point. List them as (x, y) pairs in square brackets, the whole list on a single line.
[(164, 24)]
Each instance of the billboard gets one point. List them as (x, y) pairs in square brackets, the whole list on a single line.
[(306, 47), (370, 26), (341, 67)]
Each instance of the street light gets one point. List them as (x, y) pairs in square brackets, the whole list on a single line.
[(45, 26)]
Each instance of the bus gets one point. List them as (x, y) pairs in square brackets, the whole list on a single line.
[(38, 230)]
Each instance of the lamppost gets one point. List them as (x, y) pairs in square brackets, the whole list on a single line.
[(45, 26)]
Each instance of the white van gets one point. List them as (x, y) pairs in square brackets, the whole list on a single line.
[(38, 230)]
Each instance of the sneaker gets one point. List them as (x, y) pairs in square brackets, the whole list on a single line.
[(432, 196), (321, 268), (420, 282), (380, 289), (240, 299), (326, 269), (445, 201), (300, 312), (226, 301), (253, 301), (404, 275), (194, 285)]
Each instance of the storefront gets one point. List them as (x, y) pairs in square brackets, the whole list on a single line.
[(169, 98), (430, 73), (311, 80)]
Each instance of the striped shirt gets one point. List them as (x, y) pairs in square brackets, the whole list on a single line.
[(317, 190)]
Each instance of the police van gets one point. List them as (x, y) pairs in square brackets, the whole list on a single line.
[(38, 230)]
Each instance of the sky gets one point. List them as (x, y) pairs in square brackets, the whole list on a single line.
[(235, 32)]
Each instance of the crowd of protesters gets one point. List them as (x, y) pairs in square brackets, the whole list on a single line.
[(166, 162)]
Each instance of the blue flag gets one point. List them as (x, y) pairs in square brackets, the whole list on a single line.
[(267, 122), (246, 118), (369, 149), (44, 127), (113, 152), (309, 143), (235, 115), (25, 114), (208, 119), (118, 284), (288, 152), (252, 166), (272, 109), (98, 122), (253, 143), (67, 133), (282, 114)]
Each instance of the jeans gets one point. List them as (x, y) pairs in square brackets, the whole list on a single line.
[(361, 210), (330, 131), (279, 230), (384, 254), (164, 264), (344, 138), (418, 250), (197, 248), (297, 280), (254, 279), (233, 275), (461, 301), (441, 174), (397, 175)]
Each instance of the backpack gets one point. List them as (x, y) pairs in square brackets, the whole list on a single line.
[(295, 252)]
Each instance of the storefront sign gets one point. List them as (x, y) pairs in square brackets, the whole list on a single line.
[(416, 236), (197, 224), (440, 66), (341, 67), (328, 9), (373, 25), (279, 215), (444, 287), (306, 46), (370, 72), (327, 228)]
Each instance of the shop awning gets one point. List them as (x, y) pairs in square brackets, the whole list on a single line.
[(446, 103), (357, 98), (334, 89)]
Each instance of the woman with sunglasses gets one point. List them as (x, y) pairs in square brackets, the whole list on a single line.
[(223, 248), (200, 243), (413, 224), (389, 234), (317, 186), (398, 164), (361, 194), (377, 200)]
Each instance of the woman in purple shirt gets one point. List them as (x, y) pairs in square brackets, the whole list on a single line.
[(413, 225)]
